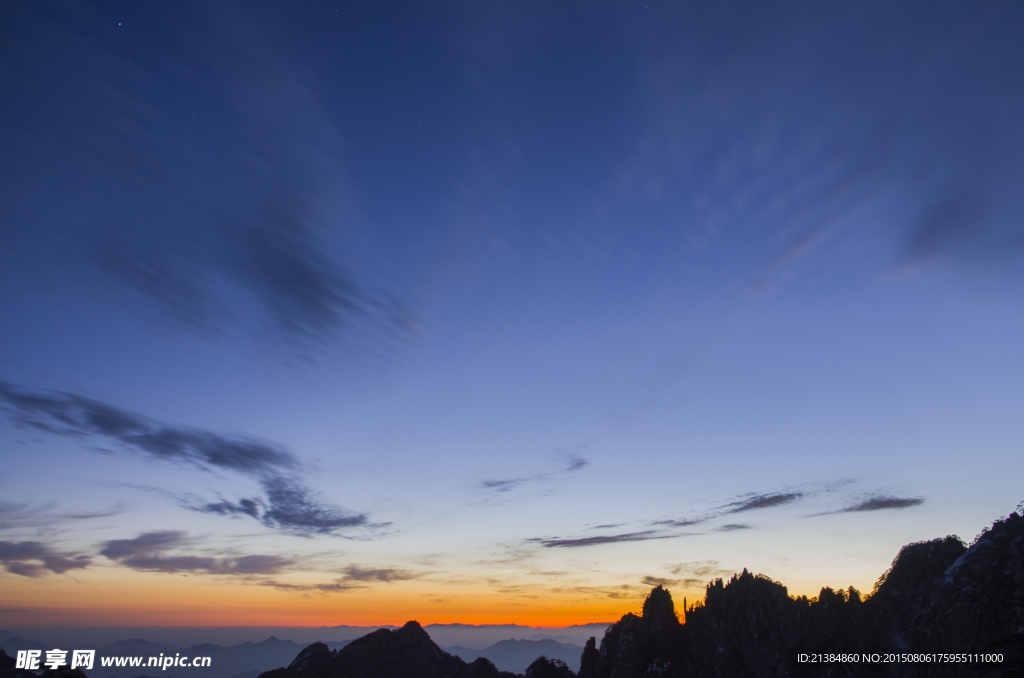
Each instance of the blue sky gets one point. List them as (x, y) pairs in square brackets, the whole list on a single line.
[(501, 310)]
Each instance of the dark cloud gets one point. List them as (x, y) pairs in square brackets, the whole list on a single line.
[(147, 542), (763, 501), (246, 507), (288, 505), (875, 503), (260, 564), (732, 527), (25, 550), (74, 415), (604, 539), (34, 559), (170, 564), (356, 573), (148, 553), (882, 504)]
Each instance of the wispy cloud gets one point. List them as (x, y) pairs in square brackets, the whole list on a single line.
[(331, 587), (763, 501), (287, 505), (684, 522), (387, 575), (15, 515), (149, 552), (73, 415), (355, 577), (145, 543), (659, 581), (882, 503), (603, 539), (34, 559), (699, 568), (245, 565), (750, 502), (621, 592), (571, 461)]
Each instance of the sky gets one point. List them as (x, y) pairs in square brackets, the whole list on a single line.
[(498, 312)]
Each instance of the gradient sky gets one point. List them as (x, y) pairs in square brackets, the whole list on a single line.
[(353, 313)]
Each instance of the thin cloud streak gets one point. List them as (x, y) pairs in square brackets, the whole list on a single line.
[(604, 539), (573, 462), (755, 502), (25, 514), (883, 504), (334, 587), (875, 503), (355, 578), (764, 501)]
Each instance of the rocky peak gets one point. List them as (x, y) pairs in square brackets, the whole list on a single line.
[(659, 611), (588, 660), (917, 567), (542, 667)]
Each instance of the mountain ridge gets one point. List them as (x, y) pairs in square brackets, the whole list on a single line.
[(938, 595)]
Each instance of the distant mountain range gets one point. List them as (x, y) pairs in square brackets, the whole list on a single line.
[(245, 660), (517, 655), (249, 660), (445, 635)]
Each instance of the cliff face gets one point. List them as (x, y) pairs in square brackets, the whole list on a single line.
[(637, 646), (981, 595)]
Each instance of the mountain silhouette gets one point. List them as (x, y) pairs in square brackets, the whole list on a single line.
[(7, 670), (407, 652), (517, 655), (938, 595)]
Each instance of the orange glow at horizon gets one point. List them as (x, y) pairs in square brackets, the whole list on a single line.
[(144, 599), (117, 597)]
